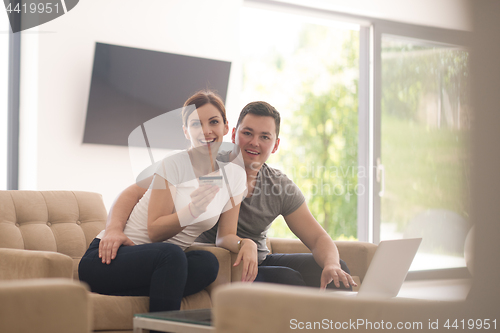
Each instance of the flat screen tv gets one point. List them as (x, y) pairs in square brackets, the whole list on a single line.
[(130, 86)]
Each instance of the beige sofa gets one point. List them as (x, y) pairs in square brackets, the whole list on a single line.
[(44, 306), (262, 308), (57, 227)]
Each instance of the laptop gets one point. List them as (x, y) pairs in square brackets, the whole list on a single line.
[(388, 269)]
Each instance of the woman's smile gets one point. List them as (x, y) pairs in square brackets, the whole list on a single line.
[(205, 127)]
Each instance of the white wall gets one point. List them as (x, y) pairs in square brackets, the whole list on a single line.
[(448, 14), (56, 66)]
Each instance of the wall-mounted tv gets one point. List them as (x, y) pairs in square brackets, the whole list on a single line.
[(131, 86)]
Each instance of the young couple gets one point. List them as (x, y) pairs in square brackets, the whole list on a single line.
[(141, 252)]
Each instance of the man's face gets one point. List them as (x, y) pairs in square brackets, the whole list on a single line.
[(256, 137)]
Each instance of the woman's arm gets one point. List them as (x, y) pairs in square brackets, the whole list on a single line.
[(117, 218), (246, 248), (163, 222)]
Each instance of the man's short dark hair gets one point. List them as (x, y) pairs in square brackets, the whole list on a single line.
[(260, 108)]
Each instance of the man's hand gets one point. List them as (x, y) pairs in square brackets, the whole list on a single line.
[(110, 243), (336, 274), (248, 254)]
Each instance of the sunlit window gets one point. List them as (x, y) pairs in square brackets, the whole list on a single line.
[(425, 134), (308, 69)]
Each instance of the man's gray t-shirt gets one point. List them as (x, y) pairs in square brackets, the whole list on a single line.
[(274, 194)]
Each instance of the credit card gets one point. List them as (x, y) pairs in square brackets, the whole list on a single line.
[(211, 180)]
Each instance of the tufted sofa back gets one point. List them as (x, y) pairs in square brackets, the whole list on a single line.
[(58, 221)]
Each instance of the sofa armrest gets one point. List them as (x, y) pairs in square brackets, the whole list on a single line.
[(286, 245), (357, 255), (224, 258), (25, 264), (262, 307), (44, 306)]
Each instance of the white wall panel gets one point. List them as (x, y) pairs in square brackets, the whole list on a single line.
[(57, 65)]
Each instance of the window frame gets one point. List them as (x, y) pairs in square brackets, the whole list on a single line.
[(13, 107)]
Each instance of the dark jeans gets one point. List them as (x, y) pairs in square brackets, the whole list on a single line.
[(298, 269), (162, 271)]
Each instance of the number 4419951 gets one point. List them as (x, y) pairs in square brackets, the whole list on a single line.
[(471, 324), (34, 7)]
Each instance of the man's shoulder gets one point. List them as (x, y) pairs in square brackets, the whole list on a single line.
[(224, 156), (274, 174)]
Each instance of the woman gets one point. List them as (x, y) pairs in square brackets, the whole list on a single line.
[(176, 209)]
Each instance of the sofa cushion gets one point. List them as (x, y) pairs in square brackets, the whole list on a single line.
[(18, 264), (44, 306), (117, 312)]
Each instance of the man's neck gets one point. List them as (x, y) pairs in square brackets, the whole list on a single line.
[(252, 173)]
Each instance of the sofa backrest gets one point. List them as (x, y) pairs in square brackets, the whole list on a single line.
[(357, 255), (58, 221)]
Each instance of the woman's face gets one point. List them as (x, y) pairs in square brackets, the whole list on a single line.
[(205, 127)]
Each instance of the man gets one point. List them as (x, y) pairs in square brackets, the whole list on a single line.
[(270, 194)]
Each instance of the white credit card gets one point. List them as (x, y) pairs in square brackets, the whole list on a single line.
[(211, 180)]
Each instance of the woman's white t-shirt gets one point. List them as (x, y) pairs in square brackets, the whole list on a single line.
[(178, 171)]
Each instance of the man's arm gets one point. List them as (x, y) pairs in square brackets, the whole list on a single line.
[(324, 250), (244, 247), (117, 218)]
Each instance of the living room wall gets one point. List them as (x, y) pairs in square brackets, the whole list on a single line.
[(448, 14), (57, 61)]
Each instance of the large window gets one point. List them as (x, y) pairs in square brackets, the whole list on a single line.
[(375, 123), (308, 68), (425, 124)]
